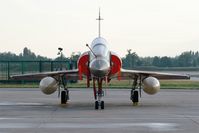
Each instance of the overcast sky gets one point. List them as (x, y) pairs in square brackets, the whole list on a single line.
[(148, 27)]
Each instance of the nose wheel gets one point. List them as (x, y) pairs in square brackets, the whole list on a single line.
[(99, 104)]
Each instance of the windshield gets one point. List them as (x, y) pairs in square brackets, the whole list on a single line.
[(100, 50)]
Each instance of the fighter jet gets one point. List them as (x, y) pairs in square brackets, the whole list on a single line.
[(99, 64)]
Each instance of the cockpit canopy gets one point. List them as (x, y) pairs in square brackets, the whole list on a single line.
[(99, 47)]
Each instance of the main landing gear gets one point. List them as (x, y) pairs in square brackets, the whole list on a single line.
[(98, 94), (64, 92), (134, 96), (64, 96)]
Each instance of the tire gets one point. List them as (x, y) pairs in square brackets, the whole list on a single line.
[(102, 104), (96, 105), (135, 97), (63, 97)]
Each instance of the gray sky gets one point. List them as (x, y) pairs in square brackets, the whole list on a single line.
[(148, 27)]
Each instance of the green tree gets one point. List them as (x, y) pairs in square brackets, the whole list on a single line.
[(28, 55), (156, 61), (75, 56), (165, 62), (186, 59)]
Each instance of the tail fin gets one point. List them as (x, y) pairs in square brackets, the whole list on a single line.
[(99, 19)]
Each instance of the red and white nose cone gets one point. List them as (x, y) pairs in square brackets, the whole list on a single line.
[(99, 67)]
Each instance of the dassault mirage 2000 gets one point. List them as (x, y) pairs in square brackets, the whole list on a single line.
[(99, 65)]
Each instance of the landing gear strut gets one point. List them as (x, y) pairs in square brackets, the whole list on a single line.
[(134, 93), (98, 94), (65, 92)]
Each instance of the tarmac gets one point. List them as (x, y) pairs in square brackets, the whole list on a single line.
[(28, 110)]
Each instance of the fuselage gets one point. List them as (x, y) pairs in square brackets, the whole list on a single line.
[(99, 58)]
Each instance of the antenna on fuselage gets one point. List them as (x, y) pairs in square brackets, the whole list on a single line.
[(99, 19)]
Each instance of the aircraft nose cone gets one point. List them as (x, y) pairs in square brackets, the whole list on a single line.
[(99, 67)]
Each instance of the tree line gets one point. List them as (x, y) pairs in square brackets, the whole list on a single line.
[(131, 59), (185, 59)]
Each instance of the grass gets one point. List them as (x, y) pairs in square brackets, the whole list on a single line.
[(183, 84), (19, 85), (165, 84)]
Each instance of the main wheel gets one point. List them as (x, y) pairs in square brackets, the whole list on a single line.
[(102, 104), (135, 97), (63, 97), (96, 105), (132, 92)]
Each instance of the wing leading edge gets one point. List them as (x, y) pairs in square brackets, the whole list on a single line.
[(69, 74), (131, 74)]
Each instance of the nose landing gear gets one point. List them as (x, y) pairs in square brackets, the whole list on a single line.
[(98, 94)]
